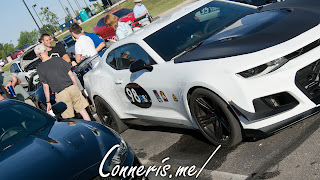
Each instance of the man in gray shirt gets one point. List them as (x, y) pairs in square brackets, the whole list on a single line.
[(56, 73)]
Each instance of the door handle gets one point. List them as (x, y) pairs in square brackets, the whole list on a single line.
[(119, 81)]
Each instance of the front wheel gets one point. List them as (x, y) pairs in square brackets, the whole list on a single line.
[(214, 119), (107, 116)]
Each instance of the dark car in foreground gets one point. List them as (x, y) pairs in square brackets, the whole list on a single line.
[(35, 145)]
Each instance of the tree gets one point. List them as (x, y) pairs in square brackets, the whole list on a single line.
[(48, 28), (67, 18), (49, 17), (7, 47), (28, 37)]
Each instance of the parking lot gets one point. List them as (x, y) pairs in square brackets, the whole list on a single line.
[(174, 153), (292, 153)]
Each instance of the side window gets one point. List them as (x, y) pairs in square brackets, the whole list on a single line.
[(125, 55), (111, 59), (14, 68), (29, 56)]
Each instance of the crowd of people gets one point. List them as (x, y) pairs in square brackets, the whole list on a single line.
[(55, 69)]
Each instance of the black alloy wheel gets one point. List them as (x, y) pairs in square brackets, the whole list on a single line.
[(107, 116), (214, 119)]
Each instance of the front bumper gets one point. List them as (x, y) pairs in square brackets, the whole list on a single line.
[(281, 98)]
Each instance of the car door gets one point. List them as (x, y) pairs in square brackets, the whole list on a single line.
[(23, 76), (144, 93)]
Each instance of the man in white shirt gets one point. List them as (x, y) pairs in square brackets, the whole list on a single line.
[(140, 10), (84, 46)]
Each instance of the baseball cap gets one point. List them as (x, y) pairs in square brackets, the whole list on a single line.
[(137, 0), (126, 53), (39, 49)]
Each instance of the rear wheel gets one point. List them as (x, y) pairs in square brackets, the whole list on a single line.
[(214, 119), (107, 116)]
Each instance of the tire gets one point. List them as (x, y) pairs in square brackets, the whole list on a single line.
[(108, 117), (214, 119)]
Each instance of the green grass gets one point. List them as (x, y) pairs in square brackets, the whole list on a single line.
[(6, 67), (155, 7)]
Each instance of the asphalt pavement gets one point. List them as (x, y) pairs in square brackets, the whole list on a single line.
[(291, 154)]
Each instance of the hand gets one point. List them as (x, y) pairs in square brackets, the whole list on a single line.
[(113, 39), (48, 107), (8, 84)]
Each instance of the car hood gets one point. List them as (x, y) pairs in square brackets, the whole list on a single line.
[(296, 17), (62, 151)]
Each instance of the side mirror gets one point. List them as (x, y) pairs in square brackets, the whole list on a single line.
[(58, 109), (139, 65)]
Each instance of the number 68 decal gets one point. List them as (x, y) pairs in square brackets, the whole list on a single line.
[(137, 95)]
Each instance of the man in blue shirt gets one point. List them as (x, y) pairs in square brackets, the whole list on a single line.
[(98, 42), (140, 10)]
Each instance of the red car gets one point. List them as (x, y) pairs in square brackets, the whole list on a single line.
[(106, 32), (17, 53)]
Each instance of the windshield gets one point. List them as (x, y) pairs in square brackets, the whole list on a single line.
[(195, 27), (24, 46), (122, 12), (19, 121)]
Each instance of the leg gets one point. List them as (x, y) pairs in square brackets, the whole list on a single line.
[(79, 102), (85, 115), (64, 97)]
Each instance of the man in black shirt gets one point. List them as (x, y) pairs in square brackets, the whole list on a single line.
[(57, 51), (56, 73)]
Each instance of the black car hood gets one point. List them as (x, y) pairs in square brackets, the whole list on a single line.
[(61, 151), (304, 15), (33, 155)]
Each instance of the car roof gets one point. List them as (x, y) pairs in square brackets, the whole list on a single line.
[(24, 46), (67, 36), (114, 12)]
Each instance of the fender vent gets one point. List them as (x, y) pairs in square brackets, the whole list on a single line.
[(308, 81)]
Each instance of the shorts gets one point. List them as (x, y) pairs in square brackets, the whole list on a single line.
[(74, 100)]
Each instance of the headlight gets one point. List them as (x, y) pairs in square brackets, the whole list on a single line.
[(121, 153), (264, 68)]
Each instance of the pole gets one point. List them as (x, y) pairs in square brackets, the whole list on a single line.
[(77, 5), (63, 8), (86, 3), (32, 16), (72, 9), (36, 13)]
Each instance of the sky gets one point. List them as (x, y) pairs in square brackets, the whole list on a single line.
[(16, 18)]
